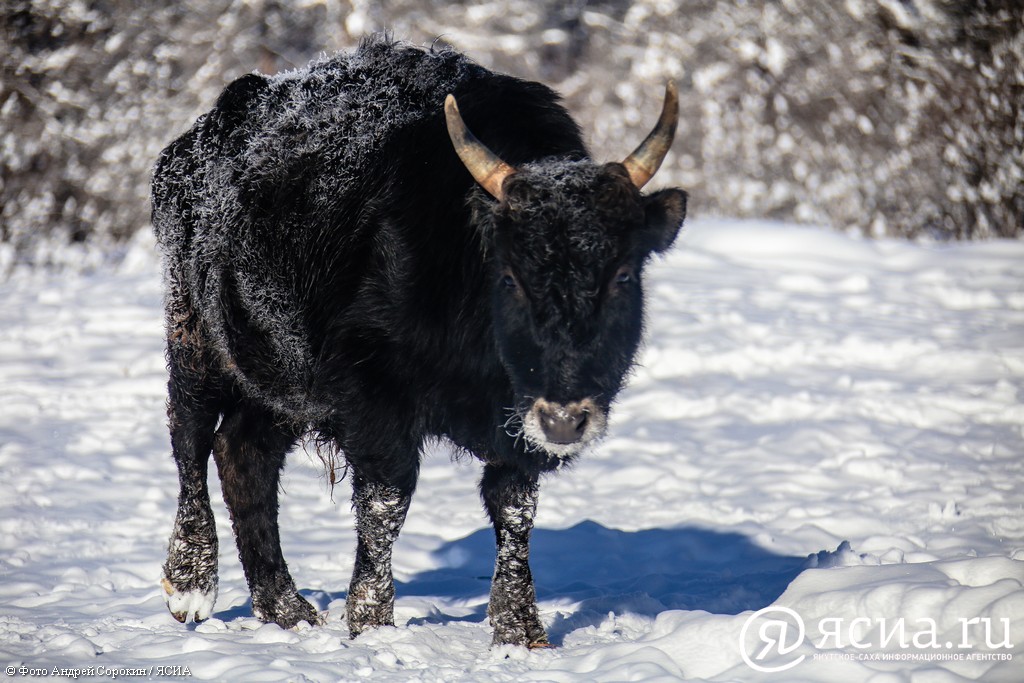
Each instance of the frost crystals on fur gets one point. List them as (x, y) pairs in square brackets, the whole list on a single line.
[(190, 572), (380, 513)]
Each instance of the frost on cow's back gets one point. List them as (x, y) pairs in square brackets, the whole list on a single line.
[(266, 188), (337, 106)]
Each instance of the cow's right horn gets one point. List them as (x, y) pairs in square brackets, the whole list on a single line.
[(643, 163), (485, 166)]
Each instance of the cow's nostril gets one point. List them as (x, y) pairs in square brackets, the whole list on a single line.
[(562, 424)]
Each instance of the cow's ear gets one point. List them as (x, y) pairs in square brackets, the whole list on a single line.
[(664, 212), (518, 193)]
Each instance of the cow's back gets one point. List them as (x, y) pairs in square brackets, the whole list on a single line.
[(282, 158)]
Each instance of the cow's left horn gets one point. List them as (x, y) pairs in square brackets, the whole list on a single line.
[(485, 166), (643, 163)]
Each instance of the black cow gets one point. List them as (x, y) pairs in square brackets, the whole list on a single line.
[(345, 259)]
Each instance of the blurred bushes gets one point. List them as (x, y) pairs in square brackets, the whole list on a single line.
[(899, 117)]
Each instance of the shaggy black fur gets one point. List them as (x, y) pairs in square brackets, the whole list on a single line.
[(332, 268)]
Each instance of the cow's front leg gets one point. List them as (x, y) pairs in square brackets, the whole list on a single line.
[(510, 497), (380, 512)]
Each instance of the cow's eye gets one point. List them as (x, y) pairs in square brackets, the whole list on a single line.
[(509, 281), (623, 276)]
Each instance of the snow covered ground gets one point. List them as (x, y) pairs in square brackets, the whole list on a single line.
[(800, 389)]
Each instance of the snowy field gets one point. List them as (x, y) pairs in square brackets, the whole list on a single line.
[(819, 423)]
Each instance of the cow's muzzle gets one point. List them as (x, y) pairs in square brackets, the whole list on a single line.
[(563, 428), (562, 424)]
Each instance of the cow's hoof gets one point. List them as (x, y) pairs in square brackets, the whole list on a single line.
[(527, 633), (286, 611), (188, 605), (365, 618), (369, 606)]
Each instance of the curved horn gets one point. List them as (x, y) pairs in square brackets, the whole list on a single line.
[(643, 163), (485, 166)]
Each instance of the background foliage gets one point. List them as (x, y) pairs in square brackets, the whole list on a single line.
[(890, 116)]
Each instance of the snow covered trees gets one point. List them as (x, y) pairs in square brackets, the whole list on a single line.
[(890, 116)]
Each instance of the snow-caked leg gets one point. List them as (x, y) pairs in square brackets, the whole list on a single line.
[(380, 512), (190, 572), (510, 497), (250, 450)]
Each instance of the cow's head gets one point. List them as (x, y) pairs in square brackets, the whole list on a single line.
[(569, 240)]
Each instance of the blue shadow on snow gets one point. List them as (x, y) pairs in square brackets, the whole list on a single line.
[(606, 570)]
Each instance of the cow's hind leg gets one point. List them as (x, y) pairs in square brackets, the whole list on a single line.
[(190, 572), (381, 504), (510, 497), (250, 450)]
